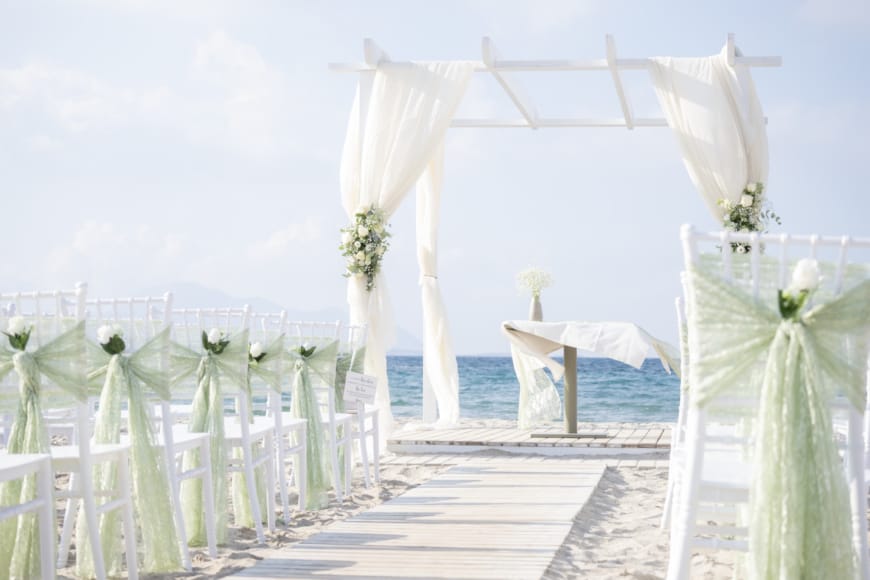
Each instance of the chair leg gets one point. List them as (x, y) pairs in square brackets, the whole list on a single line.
[(125, 487), (301, 474), (348, 456), (69, 518), (47, 524), (376, 452), (253, 496), (178, 515), (90, 506), (208, 497), (282, 476), (683, 527), (363, 447), (269, 467), (333, 458)]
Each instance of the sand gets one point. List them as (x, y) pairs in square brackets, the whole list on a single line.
[(243, 551)]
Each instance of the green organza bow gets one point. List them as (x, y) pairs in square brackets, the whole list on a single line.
[(133, 377), (800, 523), (213, 372), (61, 362), (269, 369), (319, 365)]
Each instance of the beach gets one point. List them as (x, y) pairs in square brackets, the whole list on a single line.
[(616, 534)]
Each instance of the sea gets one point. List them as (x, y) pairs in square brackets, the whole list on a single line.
[(607, 390)]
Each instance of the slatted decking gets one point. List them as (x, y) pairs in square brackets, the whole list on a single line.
[(497, 521), (618, 438)]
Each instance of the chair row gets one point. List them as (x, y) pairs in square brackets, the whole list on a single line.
[(170, 383)]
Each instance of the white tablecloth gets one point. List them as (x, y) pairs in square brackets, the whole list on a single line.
[(622, 341)]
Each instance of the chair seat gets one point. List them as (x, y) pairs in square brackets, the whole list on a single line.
[(257, 430), (67, 457)]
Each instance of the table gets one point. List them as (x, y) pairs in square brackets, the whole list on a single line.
[(622, 341)]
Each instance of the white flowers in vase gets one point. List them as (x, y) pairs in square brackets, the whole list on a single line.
[(364, 243), (534, 280)]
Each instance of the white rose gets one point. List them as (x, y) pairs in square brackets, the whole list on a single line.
[(741, 249), (751, 187), (256, 349), (362, 231), (746, 200), (214, 336), (105, 334), (16, 325), (360, 257), (806, 275)]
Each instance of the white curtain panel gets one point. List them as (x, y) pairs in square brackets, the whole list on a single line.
[(392, 133), (716, 115), (440, 375)]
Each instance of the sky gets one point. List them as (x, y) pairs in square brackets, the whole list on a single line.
[(196, 144)]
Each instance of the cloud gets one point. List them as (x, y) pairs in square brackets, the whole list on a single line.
[(232, 99), (540, 18), (43, 144), (287, 240), (854, 12)]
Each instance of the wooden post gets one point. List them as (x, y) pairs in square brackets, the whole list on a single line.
[(570, 389)]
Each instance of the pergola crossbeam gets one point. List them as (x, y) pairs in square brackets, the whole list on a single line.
[(511, 86), (500, 69)]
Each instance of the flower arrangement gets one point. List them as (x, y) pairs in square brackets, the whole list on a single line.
[(804, 280), (213, 341), (110, 337), (364, 243), (305, 350), (18, 332), (750, 214), (256, 353), (534, 280)]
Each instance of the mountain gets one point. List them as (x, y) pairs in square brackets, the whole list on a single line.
[(193, 295)]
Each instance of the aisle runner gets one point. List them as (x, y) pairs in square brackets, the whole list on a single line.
[(497, 521)]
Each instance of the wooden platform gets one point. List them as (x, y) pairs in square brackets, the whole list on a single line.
[(494, 520), (619, 438)]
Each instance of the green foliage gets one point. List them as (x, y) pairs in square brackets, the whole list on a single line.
[(790, 305), (753, 216), (305, 352), (19, 341), (115, 345)]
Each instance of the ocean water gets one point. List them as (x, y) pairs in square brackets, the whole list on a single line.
[(607, 390)]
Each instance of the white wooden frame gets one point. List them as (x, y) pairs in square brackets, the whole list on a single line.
[(501, 70)]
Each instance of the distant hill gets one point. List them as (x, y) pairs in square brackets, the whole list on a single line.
[(193, 295)]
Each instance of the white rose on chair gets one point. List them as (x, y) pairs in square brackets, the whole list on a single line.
[(213, 341), (109, 337), (806, 276), (16, 325), (256, 352), (18, 332), (804, 280)]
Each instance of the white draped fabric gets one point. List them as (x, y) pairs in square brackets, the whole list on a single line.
[(716, 115), (391, 137), (440, 375)]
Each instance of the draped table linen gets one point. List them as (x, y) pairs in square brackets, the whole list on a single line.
[(60, 361), (800, 518), (214, 373), (622, 341)]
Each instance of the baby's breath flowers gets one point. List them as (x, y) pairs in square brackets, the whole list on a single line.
[(534, 280)]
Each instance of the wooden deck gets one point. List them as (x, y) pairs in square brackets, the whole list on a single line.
[(618, 438), (496, 520)]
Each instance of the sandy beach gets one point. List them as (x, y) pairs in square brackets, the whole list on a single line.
[(615, 535)]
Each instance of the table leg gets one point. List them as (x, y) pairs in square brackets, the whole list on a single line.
[(570, 389)]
